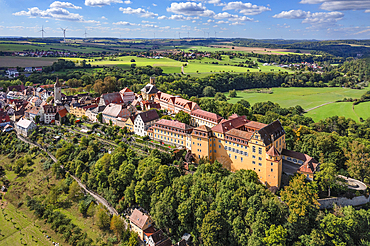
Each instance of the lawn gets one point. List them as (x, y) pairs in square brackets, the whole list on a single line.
[(305, 97), (19, 230), (363, 110), (334, 109)]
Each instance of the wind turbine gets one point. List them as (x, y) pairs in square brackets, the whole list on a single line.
[(188, 34), (84, 34), (215, 34), (208, 34), (64, 33), (179, 36), (42, 32)]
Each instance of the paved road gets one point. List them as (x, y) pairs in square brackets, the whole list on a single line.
[(98, 198), (354, 184)]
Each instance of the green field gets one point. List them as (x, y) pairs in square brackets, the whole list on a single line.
[(363, 110), (193, 67), (306, 97), (14, 47), (14, 61)]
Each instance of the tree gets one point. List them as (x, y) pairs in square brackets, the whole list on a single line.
[(209, 91), (232, 93), (275, 236), (49, 99), (326, 178), (133, 240), (220, 97), (117, 225), (132, 60), (300, 196), (214, 229), (75, 193), (102, 218), (183, 117), (245, 103), (358, 160), (99, 117)]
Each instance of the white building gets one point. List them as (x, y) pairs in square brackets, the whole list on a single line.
[(25, 127), (145, 120)]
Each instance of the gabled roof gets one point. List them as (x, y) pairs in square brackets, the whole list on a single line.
[(174, 123), (148, 116), (63, 112), (24, 123), (4, 117), (139, 218), (125, 90), (113, 109), (309, 166), (33, 110), (255, 125), (203, 128), (271, 132), (166, 242), (226, 125), (206, 115), (98, 109), (114, 97), (57, 83), (150, 89), (50, 109), (158, 236), (240, 134), (273, 151)]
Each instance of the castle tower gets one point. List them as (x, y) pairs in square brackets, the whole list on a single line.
[(274, 167), (149, 91), (57, 92)]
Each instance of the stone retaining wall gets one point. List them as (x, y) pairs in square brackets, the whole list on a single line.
[(343, 201)]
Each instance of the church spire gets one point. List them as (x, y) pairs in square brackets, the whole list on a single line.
[(57, 83)]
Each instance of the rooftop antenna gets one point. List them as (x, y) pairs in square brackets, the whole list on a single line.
[(64, 33), (84, 33), (42, 32)]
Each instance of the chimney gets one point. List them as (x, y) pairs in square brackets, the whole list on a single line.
[(152, 80)]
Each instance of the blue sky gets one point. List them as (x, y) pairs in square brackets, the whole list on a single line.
[(295, 19)]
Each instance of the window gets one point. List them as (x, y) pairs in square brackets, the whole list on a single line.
[(260, 158), (272, 170), (260, 164), (219, 146), (230, 155), (294, 160), (219, 140), (229, 148), (236, 157), (260, 151), (253, 156), (241, 152), (241, 159), (215, 151), (225, 147), (253, 162), (254, 149), (233, 149), (272, 163)]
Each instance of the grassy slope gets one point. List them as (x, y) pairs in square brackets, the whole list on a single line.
[(14, 61), (363, 110), (305, 97), (339, 109), (35, 185)]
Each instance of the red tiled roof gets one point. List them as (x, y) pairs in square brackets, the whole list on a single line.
[(273, 151), (90, 106), (206, 115), (240, 134), (63, 112), (149, 231), (166, 242), (226, 125), (148, 116), (4, 117), (139, 218), (309, 167), (123, 91), (271, 132), (173, 123), (296, 155), (256, 125), (33, 110), (203, 128), (114, 97)]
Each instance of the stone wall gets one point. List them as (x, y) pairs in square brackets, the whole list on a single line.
[(342, 201)]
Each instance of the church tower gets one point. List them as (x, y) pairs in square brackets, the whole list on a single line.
[(57, 92)]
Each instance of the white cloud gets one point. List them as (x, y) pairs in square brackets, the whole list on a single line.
[(224, 15), (245, 8), (58, 4), (104, 18), (127, 2), (54, 13), (154, 4), (341, 5), (292, 14), (163, 17), (100, 3), (139, 11), (123, 23), (182, 18), (215, 2), (190, 8), (222, 22), (237, 23), (319, 19)]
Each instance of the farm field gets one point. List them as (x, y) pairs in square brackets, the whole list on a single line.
[(194, 67), (214, 48), (306, 97), (14, 61)]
